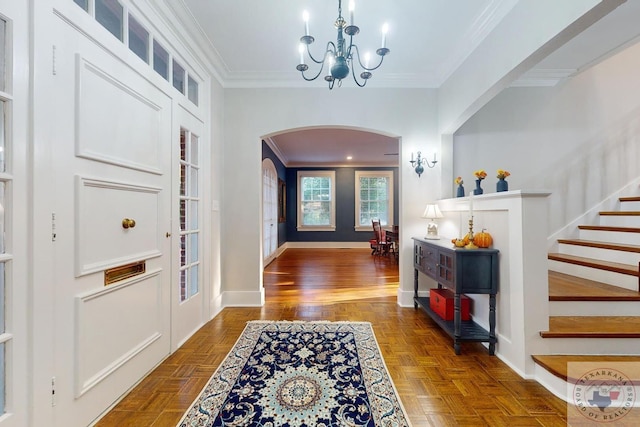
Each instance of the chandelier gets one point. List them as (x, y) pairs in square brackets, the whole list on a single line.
[(338, 57)]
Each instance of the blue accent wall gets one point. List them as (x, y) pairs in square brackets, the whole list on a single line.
[(345, 203), (345, 207)]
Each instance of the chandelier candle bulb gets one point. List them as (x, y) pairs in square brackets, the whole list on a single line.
[(352, 6), (301, 50), (305, 18), (385, 28)]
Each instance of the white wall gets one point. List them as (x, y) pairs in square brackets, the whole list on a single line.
[(580, 140), (216, 189), (505, 53), (251, 114)]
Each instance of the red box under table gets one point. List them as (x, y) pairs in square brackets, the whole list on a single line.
[(441, 301)]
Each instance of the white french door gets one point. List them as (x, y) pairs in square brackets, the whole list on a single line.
[(110, 132), (269, 211), (189, 310), (14, 290)]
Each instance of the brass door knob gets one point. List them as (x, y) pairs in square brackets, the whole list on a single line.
[(128, 223)]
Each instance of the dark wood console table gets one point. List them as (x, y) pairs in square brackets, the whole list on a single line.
[(463, 271)]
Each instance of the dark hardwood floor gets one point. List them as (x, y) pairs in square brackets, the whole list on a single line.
[(437, 387)]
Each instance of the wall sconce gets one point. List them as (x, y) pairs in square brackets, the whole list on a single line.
[(432, 212), (419, 161)]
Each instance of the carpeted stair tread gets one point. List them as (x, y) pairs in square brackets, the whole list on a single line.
[(601, 245), (564, 287), (628, 269), (593, 327), (557, 363), (610, 228)]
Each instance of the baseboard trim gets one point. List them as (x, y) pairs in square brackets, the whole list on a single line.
[(327, 245)]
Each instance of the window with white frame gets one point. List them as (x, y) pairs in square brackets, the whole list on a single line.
[(374, 198), (316, 201)]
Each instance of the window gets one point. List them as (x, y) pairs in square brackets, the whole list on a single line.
[(192, 90), (189, 207), (109, 14), (160, 60), (316, 195), (374, 198), (6, 206), (138, 39), (178, 76), (83, 4)]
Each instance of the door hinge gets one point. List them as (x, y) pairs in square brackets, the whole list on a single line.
[(53, 391), (53, 227), (54, 69)]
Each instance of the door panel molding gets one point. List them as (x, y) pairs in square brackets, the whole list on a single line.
[(100, 202), (98, 355), (133, 142)]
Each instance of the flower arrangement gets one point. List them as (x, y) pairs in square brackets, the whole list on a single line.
[(458, 181), (502, 174), (480, 174)]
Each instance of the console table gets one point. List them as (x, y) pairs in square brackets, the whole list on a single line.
[(463, 271)]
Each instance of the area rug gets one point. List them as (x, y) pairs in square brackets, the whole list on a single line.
[(300, 374)]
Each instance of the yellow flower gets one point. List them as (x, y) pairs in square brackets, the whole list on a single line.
[(502, 174), (480, 174), (458, 180)]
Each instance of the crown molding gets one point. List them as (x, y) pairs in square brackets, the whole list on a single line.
[(543, 77), (486, 21)]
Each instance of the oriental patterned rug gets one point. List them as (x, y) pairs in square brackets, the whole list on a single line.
[(303, 374)]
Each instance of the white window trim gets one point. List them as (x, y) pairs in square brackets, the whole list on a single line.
[(373, 174), (332, 217)]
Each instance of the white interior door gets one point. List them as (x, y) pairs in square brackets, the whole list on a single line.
[(111, 129), (189, 311), (269, 210)]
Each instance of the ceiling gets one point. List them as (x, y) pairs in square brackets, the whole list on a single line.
[(255, 44)]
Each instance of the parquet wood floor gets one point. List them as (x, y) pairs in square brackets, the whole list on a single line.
[(437, 387)]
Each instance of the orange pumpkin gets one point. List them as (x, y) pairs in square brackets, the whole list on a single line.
[(483, 239)]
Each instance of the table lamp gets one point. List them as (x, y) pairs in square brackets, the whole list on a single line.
[(432, 212)]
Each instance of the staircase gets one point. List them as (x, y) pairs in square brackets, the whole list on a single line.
[(594, 295)]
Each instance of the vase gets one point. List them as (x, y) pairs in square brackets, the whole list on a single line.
[(478, 189), (502, 185), (460, 192)]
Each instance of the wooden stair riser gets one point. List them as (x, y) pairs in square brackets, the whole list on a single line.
[(610, 237), (609, 277), (591, 308), (631, 258), (620, 346), (619, 221)]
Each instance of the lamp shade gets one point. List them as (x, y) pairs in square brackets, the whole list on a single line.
[(432, 211)]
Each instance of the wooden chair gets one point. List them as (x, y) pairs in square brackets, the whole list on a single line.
[(380, 245)]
